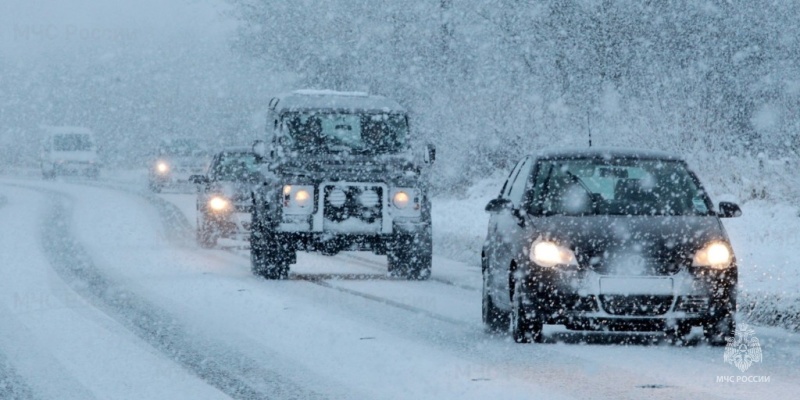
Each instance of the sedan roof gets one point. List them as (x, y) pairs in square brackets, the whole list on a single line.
[(607, 153)]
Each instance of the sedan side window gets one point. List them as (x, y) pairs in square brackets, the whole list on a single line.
[(511, 176), (520, 182)]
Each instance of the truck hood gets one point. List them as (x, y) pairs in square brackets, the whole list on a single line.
[(352, 166)]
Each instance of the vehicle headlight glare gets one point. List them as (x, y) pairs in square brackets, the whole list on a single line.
[(716, 255), (550, 254), (217, 203), (401, 199), (162, 167), (301, 197)]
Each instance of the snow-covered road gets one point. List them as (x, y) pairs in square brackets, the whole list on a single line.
[(104, 294)]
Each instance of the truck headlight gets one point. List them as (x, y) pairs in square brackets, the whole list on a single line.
[(401, 199), (298, 199), (551, 254), (218, 203), (717, 255), (162, 167), (406, 202)]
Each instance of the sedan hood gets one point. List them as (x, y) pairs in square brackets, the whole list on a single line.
[(632, 245)]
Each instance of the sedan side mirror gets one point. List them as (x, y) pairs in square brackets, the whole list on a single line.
[(199, 179), (498, 204), (729, 210)]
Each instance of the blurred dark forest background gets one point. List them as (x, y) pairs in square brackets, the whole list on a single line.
[(487, 81)]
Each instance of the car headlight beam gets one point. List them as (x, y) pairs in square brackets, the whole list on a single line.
[(401, 199), (717, 255), (550, 254), (162, 167), (218, 203), (298, 199)]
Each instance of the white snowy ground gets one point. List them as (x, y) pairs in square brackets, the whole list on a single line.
[(103, 294)]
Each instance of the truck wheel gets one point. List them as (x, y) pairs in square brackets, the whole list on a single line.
[(410, 257), (268, 257), (206, 235)]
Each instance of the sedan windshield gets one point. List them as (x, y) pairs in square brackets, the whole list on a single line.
[(72, 142), (333, 132), (618, 187), (235, 167)]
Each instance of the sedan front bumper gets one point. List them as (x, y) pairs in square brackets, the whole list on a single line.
[(584, 299)]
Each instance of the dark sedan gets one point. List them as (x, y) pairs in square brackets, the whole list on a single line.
[(608, 239)]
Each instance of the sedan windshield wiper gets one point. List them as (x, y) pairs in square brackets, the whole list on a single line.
[(592, 195)]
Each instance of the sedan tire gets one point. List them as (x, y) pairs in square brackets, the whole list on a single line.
[(526, 327)]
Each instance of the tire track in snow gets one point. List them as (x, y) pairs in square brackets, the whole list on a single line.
[(230, 371), (12, 386), (602, 380)]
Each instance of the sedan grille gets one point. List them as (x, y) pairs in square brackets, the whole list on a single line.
[(638, 305)]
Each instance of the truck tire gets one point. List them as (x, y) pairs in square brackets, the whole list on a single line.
[(269, 258), (411, 256)]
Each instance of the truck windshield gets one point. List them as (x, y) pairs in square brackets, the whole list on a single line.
[(353, 132), (72, 142)]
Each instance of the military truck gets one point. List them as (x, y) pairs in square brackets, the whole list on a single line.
[(340, 174)]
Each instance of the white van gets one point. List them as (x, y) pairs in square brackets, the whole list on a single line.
[(69, 150)]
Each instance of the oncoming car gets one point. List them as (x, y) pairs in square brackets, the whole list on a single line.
[(224, 202), (69, 150), (175, 161), (341, 175), (608, 239)]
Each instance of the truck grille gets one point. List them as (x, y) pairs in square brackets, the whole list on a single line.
[(344, 202)]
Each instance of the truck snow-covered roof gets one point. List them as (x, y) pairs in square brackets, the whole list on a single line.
[(308, 99)]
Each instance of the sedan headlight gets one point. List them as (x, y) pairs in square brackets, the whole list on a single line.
[(717, 255), (218, 203), (162, 167), (298, 199), (551, 254)]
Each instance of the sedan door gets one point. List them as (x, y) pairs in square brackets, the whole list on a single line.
[(508, 231)]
